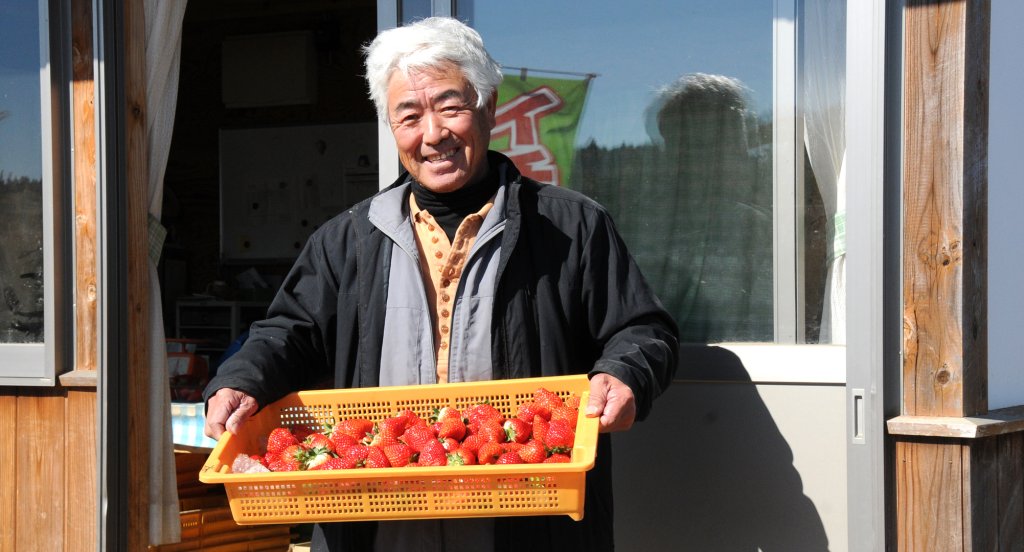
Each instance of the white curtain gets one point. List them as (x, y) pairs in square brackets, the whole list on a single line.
[(825, 138), (163, 53)]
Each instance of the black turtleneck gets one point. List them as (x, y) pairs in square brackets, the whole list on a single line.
[(449, 209)]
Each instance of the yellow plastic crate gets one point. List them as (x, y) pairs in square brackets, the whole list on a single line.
[(407, 492)]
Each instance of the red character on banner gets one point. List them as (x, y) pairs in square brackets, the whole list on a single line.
[(519, 118)]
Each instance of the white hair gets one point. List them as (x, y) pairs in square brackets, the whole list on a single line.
[(430, 43)]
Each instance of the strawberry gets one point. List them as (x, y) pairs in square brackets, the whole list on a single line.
[(318, 441), (527, 410), (509, 458), (316, 457), (559, 437), (540, 428), (292, 458), (489, 453), (446, 413), (492, 430), (451, 427), (341, 441), (387, 432), (480, 412), (533, 452), (472, 443), (565, 414), (332, 463), (417, 437), (261, 459), (461, 457), (573, 401), (301, 432), (516, 430), (355, 456), (546, 398), (558, 459), (279, 439), (356, 427), (375, 458), (433, 454), (399, 454)]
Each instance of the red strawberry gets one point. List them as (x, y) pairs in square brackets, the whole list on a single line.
[(573, 401), (540, 428), (433, 454), (375, 458), (279, 439), (533, 452), (451, 427), (355, 456), (447, 413), (318, 441), (461, 457), (510, 458), (356, 427), (546, 398), (565, 414), (332, 463), (492, 430), (261, 459), (558, 459), (489, 453), (480, 412), (527, 410), (516, 430), (342, 441), (473, 442), (316, 457), (449, 444), (292, 458), (387, 432), (559, 437), (417, 437), (399, 454)]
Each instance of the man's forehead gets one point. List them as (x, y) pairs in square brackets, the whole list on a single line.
[(439, 84)]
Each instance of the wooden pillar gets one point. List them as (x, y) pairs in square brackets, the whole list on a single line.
[(137, 236), (957, 487)]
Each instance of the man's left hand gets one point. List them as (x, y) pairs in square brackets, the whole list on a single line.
[(613, 401)]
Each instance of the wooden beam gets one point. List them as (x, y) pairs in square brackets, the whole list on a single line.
[(40, 458), (80, 528), (945, 207), (929, 496), (8, 471), (996, 422), (84, 121), (137, 236)]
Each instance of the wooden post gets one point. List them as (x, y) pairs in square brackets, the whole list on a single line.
[(136, 152), (947, 488)]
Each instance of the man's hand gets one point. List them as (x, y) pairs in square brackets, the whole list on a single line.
[(613, 401), (228, 409)]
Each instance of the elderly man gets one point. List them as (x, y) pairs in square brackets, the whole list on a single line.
[(462, 270)]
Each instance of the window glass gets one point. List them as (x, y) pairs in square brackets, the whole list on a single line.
[(661, 111), (21, 198)]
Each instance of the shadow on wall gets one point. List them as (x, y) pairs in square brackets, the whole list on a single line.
[(710, 471)]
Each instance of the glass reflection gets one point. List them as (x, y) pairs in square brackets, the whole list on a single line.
[(21, 200)]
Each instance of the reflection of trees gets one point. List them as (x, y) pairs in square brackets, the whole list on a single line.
[(21, 259), (696, 207)]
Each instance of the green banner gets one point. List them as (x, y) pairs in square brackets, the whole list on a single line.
[(536, 124)]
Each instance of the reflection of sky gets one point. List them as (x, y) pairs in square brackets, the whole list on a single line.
[(636, 47), (19, 88)]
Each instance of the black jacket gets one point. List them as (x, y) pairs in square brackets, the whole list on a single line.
[(569, 299)]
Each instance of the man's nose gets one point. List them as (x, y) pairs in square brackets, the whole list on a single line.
[(434, 130)]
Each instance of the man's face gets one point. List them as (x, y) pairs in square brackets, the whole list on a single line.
[(442, 136)]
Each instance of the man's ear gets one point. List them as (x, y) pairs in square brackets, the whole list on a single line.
[(491, 108)]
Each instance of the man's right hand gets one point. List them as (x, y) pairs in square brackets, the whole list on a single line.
[(227, 410)]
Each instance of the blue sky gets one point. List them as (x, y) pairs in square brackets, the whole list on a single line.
[(19, 88), (636, 47)]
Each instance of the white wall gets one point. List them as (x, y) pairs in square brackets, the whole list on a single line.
[(1006, 206)]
